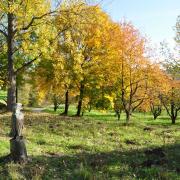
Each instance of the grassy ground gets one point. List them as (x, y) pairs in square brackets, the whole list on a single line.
[(96, 146)]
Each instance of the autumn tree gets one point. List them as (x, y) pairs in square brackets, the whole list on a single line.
[(157, 84), (132, 81), (84, 48), (57, 77), (27, 34), (171, 100)]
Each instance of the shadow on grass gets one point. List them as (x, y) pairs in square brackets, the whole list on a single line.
[(157, 163)]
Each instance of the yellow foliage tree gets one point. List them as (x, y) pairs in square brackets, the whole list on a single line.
[(26, 26), (85, 47), (131, 85)]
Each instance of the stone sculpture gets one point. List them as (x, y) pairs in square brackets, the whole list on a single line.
[(18, 151)]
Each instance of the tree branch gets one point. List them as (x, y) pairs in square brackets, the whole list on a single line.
[(3, 26), (25, 65), (138, 104), (164, 104), (3, 33), (138, 81), (36, 18), (2, 16)]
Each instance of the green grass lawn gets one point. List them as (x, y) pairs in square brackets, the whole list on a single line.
[(96, 146)]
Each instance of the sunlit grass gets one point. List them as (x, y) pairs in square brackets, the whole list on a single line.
[(95, 146)]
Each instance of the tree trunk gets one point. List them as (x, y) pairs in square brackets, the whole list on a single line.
[(173, 119), (90, 107), (128, 117), (55, 107), (119, 115), (11, 96), (66, 104), (66, 108), (173, 113), (155, 116), (80, 100), (55, 103)]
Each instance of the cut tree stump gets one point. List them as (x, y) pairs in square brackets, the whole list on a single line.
[(18, 150)]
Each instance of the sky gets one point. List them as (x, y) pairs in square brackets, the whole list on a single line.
[(154, 18)]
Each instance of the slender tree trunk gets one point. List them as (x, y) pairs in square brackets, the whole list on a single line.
[(66, 103), (55, 107), (11, 96), (90, 106), (156, 112), (80, 100), (66, 106), (173, 114), (128, 117), (155, 116), (55, 102), (173, 119), (119, 116), (173, 107)]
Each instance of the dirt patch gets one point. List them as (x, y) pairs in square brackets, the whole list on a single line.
[(131, 142), (53, 126), (148, 129)]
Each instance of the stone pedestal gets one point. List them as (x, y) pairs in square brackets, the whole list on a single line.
[(18, 150)]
